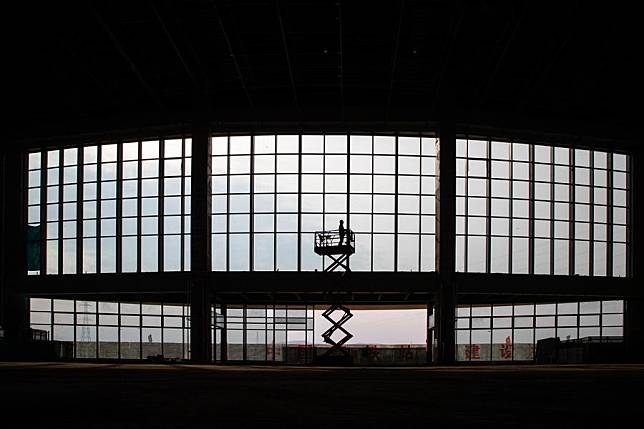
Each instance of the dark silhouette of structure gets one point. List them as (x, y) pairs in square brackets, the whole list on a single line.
[(548, 208), (331, 244)]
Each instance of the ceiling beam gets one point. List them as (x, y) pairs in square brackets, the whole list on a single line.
[(286, 52), (341, 58), (231, 51), (506, 46), (174, 45), (394, 58), (447, 52), (529, 92), (121, 50), (85, 67)]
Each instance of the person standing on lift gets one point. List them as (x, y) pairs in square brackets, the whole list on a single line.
[(341, 231)]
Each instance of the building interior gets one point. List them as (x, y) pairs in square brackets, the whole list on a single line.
[(240, 189)]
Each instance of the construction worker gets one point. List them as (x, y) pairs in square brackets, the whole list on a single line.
[(342, 231)]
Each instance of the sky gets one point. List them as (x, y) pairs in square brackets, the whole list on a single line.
[(380, 326)]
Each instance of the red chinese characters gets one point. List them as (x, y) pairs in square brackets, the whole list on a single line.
[(472, 351), (505, 350)]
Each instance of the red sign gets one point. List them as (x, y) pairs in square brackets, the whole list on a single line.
[(506, 349), (472, 351)]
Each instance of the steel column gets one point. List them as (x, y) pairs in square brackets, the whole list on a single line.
[(634, 308), (200, 308), (15, 310), (445, 245)]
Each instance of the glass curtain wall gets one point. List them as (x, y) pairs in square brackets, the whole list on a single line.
[(138, 330), (532, 209), (511, 332), (115, 330), (272, 192), (121, 207), (265, 333), (521, 208)]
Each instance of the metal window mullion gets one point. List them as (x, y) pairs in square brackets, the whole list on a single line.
[(591, 215), (80, 180), (531, 239), (609, 216), (183, 331), (601, 319), (162, 328), (251, 215), (139, 206), (534, 329), (182, 179), (286, 330), (571, 220), (313, 352), (215, 334), (140, 330), (273, 346), (119, 207), (552, 210), (466, 207), (511, 212), (245, 332), (306, 333), (74, 327), (51, 317), (43, 215), (61, 171), (265, 333), (396, 197), (420, 203), (99, 211), (348, 191), (578, 317), (275, 211), (491, 317), (556, 319), (629, 229), (324, 258), (227, 204), (488, 209), (161, 206), (470, 307), (98, 342), (118, 325), (513, 329), (299, 204), (373, 155)]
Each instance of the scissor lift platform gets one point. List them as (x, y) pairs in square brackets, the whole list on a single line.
[(337, 247)]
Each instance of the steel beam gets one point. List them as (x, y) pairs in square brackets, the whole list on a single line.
[(286, 52), (473, 285)]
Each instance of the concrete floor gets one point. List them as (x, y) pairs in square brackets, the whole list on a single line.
[(78, 395)]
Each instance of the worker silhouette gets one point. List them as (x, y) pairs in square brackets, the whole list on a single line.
[(341, 230)]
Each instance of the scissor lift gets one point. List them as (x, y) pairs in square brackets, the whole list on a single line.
[(327, 243), (339, 248)]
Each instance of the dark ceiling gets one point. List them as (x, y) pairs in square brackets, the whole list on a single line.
[(563, 65)]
